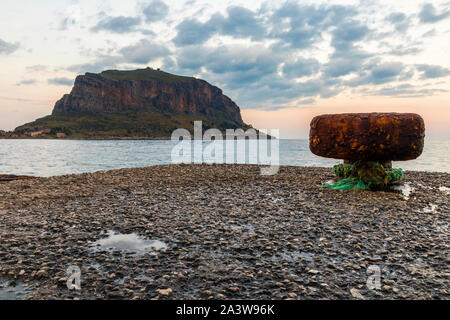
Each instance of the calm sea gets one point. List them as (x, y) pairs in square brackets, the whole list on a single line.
[(58, 157)]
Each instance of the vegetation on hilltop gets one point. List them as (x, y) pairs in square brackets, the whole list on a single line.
[(144, 74), (125, 124)]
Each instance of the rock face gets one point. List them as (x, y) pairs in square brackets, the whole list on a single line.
[(143, 91), (368, 136)]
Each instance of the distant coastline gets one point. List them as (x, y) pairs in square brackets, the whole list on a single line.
[(87, 138), (101, 138), (11, 135)]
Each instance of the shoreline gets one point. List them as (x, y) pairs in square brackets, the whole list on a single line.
[(230, 234), (68, 138), (119, 138), (13, 177), (7, 177)]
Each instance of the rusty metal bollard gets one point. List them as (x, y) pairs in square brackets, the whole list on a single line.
[(381, 137)]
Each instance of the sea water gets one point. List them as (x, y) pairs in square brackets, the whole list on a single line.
[(42, 157)]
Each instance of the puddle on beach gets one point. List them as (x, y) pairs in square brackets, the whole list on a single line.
[(8, 292), (128, 242), (404, 189)]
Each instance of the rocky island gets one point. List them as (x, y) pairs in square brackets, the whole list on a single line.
[(143, 103)]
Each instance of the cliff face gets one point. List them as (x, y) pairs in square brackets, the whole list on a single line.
[(105, 92)]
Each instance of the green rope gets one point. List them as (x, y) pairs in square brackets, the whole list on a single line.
[(395, 175), (364, 175)]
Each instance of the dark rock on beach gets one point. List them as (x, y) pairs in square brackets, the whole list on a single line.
[(228, 233), (11, 177)]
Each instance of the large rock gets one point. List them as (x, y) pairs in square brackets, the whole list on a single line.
[(143, 103), (367, 136), (146, 90)]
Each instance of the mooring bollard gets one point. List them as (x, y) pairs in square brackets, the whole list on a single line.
[(368, 143)]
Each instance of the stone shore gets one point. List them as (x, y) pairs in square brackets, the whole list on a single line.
[(229, 233)]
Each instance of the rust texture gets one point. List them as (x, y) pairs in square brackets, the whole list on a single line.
[(367, 136)]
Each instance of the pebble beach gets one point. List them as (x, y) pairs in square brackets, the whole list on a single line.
[(223, 232)]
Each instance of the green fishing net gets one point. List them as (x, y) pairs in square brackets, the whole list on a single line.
[(364, 175)]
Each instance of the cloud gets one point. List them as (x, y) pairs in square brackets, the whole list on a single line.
[(294, 25), (385, 72), (307, 101), (400, 21), (233, 66), (60, 81), (347, 33), (430, 33), (119, 24), (240, 23), (301, 68), (432, 71), (404, 91), (36, 68), (238, 64), (140, 53), (101, 63), (191, 31), (297, 25), (375, 72), (341, 67), (155, 11), (70, 15), (276, 91), (322, 16), (344, 62), (299, 37), (7, 47), (66, 22), (251, 73), (26, 82), (403, 50), (396, 17), (267, 56), (428, 14), (21, 99), (144, 51), (348, 57)]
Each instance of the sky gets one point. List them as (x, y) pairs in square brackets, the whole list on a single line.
[(282, 62)]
